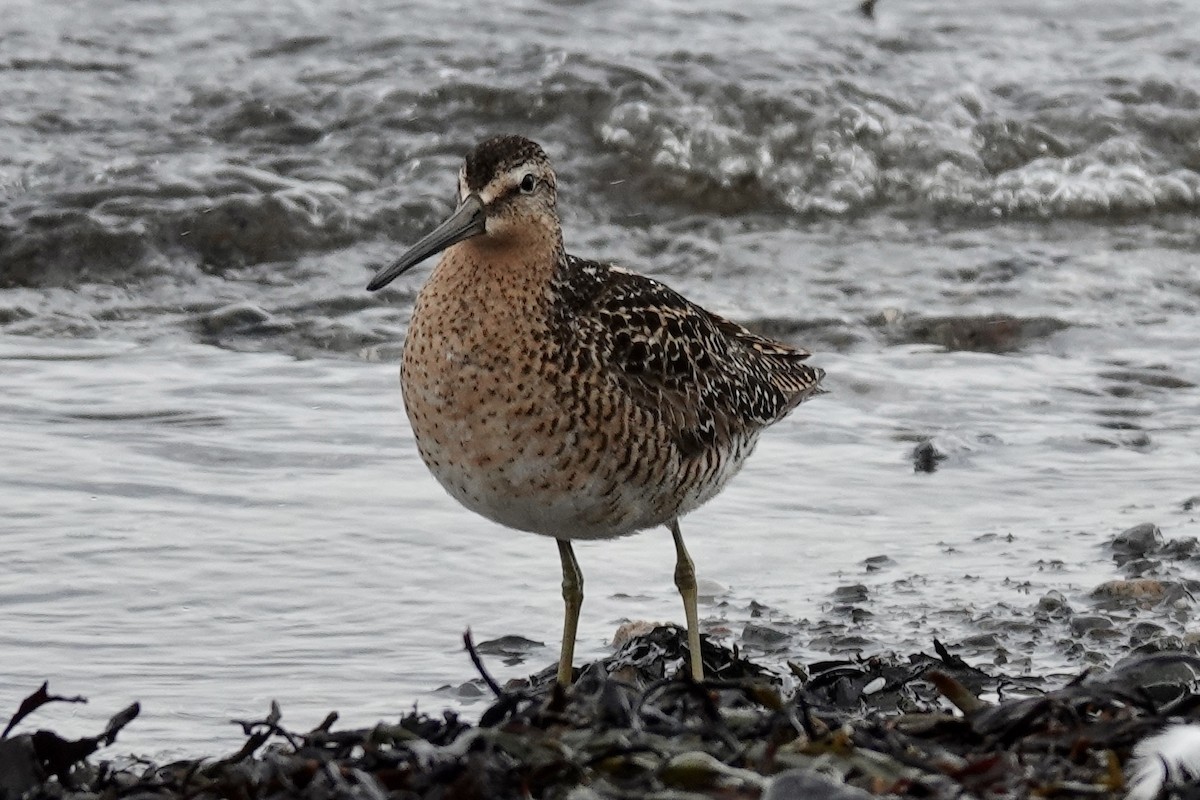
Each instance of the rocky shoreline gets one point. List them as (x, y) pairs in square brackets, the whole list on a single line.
[(921, 726), (943, 723)]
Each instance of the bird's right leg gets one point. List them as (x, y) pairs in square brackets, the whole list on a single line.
[(572, 587)]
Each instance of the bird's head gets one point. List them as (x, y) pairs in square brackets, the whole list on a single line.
[(506, 195)]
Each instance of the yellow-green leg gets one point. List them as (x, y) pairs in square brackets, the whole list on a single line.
[(685, 580), (572, 588)]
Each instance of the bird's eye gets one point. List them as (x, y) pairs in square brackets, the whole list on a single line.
[(527, 184)]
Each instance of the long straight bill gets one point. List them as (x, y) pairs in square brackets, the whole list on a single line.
[(467, 220)]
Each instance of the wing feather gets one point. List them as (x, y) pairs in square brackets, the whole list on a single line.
[(707, 378)]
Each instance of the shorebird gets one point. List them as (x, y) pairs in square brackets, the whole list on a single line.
[(569, 397)]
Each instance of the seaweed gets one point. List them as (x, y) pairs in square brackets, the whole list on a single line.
[(634, 725)]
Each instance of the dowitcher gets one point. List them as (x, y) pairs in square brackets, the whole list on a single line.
[(569, 397)]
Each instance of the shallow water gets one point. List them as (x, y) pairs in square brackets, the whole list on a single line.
[(981, 220)]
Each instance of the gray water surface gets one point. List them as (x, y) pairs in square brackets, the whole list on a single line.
[(981, 218)]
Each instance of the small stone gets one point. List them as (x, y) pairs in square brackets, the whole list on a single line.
[(1138, 567), (1054, 602), (697, 770), (1179, 549), (926, 457), (1145, 630), (1086, 624), (19, 767), (981, 640), (508, 646), (1164, 676), (802, 784), (762, 636), (631, 630), (1138, 541), (584, 793), (1166, 643), (852, 593), (1141, 589)]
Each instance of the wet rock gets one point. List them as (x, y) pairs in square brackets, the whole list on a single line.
[(981, 641), (19, 767), (1144, 592), (1180, 549), (800, 784), (1145, 631), (1142, 589), (469, 690), (1088, 624), (699, 771), (851, 593), (1167, 677), (628, 631), (1191, 503), (877, 563), (1054, 603), (764, 637), (1137, 542), (926, 457), (510, 645), (1164, 643), (1140, 567)]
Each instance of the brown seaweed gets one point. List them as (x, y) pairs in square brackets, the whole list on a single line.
[(633, 725)]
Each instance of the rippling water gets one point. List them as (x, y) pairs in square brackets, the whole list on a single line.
[(981, 217)]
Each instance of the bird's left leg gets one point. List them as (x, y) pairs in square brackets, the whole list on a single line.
[(685, 580)]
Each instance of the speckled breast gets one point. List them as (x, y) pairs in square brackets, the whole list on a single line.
[(514, 438)]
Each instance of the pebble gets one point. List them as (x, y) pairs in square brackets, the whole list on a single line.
[(1138, 541), (800, 784), (1085, 624), (1143, 589), (763, 637)]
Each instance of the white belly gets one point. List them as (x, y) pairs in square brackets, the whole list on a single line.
[(496, 461)]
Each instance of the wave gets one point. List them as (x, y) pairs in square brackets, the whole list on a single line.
[(834, 153)]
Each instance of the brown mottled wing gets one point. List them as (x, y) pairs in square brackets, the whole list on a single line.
[(708, 378)]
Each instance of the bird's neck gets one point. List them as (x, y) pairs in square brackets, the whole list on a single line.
[(484, 296), (496, 273)]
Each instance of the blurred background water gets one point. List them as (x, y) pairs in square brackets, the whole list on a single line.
[(981, 217)]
